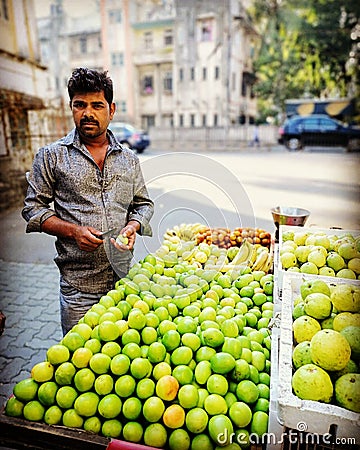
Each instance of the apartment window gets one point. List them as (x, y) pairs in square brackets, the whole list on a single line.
[(148, 40), (148, 121), (4, 10), (181, 74), (206, 30), (168, 82), (192, 120), (192, 73), (83, 45), (117, 59), (115, 16), (217, 72), (123, 107), (204, 71), (147, 85), (243, 87), (204, 120), (181, 120), (168, 37), (215, 120)]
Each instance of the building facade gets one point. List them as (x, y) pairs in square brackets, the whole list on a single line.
[(175, 63), (22, 84)]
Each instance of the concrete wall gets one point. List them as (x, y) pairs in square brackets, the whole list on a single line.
[(210, 138)]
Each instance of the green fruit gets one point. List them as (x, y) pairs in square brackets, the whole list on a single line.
[(317, 305), (301, 354), (314, 286), (221, 429), (330, 350), (53, 415), (47, 393), (259, 423), (14, 408), (86, 404), (346, 319), (335, 261), (247, 391), (241, 370), (347, 250), (346, 298), (305, 328), (346, 273), (329, 322), (34, 411), (222, 363), (347, 391), (351, 367), (311, 382), (310, 268), (298, 310), (25, 390), (352, 335)]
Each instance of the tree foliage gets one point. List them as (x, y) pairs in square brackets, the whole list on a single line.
[(308, 49)]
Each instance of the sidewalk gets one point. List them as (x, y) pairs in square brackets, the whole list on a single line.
[(30, 302), (29, 285)]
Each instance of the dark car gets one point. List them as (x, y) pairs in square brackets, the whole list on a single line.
[(130, 136), (318, 130)]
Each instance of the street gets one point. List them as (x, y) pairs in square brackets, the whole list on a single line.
[(239, 189), (224, 189), (220, 189)]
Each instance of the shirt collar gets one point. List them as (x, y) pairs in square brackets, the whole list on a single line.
[(73, 138)]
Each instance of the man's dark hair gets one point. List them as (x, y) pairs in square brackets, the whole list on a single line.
[(89, 80)]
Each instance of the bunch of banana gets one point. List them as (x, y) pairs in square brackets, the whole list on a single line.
[(254, 256), (245, 257), (264, 260), (184, 232), (245, 254)]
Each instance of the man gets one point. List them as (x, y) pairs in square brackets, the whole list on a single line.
[(95, 185)]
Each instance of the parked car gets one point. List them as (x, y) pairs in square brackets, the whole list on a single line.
[(318, 130), (129, 136)]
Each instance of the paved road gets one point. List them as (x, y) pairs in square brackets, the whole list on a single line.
[(230, 188)]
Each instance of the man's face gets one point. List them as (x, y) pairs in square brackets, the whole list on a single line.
[(92, 113)]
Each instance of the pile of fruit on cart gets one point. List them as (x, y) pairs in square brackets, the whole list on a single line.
[(320, 330), (177, 354)]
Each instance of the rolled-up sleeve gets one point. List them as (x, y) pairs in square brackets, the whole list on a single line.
[(40, 192)]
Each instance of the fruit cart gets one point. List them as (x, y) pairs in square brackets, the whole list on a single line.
[(293, 423), (297, 422)]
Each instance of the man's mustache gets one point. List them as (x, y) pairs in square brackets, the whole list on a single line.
[(84, 121)]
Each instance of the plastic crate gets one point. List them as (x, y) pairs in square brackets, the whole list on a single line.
[(312, 230), (305, 415)]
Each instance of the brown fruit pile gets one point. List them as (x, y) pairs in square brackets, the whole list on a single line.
[(226, 238)]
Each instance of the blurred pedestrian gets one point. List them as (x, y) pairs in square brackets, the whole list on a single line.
[(256, 138), (95, 185)]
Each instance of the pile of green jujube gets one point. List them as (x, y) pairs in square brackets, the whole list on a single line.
[(174, 356)]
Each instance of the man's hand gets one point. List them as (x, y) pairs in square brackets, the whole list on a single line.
[(128, 231), (87, 238)]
